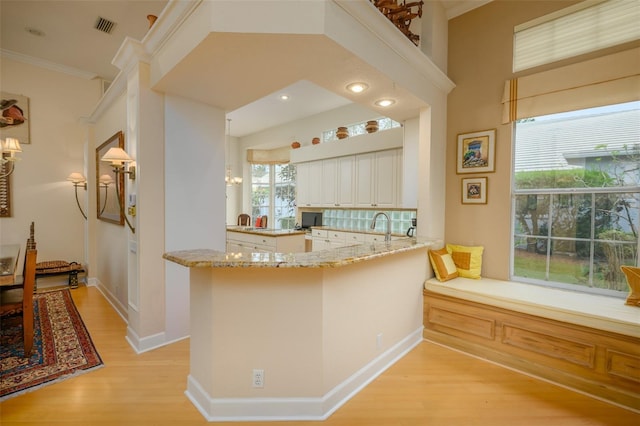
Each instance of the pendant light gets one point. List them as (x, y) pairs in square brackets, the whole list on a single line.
[(229, 179)]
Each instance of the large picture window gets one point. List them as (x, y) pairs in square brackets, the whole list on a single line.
[(273, 194), (576, 198)]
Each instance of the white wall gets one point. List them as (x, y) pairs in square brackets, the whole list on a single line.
[(109, 243), (40, 191), (194, 188)]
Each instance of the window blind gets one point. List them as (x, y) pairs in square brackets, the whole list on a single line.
[(582, 28), (268, 156), (606, 80)]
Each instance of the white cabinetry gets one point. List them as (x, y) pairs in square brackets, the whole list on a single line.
[(377, 179), (329, 239), (309, 184), (337, 181), (363, 180), (248, 242), (302, 185), (323, 239)]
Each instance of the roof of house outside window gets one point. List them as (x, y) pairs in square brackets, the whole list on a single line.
[(547, 144)]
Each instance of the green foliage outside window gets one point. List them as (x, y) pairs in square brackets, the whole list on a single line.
[(579, 225)]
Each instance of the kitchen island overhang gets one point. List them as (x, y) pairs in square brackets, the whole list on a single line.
[(320, 325)]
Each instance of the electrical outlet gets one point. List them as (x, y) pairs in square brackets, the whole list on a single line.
[(258, 378), (379, 341)]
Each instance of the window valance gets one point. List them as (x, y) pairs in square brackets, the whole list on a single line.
[(268, 156), (606, 80)]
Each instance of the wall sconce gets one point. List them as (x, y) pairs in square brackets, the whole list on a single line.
[(104, 181), (10, 145), (118, 158), (77, 179)]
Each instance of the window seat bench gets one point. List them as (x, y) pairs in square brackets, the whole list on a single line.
[(590, 343)]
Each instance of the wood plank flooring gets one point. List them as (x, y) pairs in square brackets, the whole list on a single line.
[(431, 386)]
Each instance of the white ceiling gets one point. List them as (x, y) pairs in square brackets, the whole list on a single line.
[(60, 35)]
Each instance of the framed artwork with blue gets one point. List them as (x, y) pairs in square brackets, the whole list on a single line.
[(476, 152)]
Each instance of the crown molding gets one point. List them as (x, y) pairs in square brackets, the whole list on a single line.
[(42, 63)]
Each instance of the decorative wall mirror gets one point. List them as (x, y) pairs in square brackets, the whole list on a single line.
[(108, 208)]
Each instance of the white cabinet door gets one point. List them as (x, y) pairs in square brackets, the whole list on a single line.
[(302, 185), (315, 183), (345, 182), (329, 182), (364, 180), (386, 178), (309, 184), (337, 181), (377, 179)]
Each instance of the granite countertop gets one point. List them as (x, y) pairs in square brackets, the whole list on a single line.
[(332, 258), (266, 232)]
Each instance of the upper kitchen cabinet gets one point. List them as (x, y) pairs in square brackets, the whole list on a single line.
[(360, 171), (309, 184), (337, 181), (377, 178)]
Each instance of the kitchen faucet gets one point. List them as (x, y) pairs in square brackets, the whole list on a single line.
[(387, 236)]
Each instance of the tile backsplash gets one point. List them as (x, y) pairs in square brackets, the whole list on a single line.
[(360, 220)]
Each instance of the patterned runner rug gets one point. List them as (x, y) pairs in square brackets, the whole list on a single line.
[(62, 347)]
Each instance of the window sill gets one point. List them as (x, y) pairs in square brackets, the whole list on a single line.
[(595, 311)]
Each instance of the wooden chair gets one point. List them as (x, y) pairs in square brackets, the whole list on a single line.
[(633, 280), (19, 300), (263, 221), (244, 219)]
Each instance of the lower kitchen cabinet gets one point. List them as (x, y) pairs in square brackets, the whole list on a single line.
[(257, 243)]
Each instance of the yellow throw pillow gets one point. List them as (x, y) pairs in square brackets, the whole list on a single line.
[(443, 265), (468, 260)]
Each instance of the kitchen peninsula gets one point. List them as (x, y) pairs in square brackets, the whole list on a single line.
[(292, 336)]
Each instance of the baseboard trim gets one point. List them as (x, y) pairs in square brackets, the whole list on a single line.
[(145, 344), (301, 408), (113, 301)]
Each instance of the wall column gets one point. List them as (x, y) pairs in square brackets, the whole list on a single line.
[(144, 137)]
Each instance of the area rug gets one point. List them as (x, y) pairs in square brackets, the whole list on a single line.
[(62, 347)]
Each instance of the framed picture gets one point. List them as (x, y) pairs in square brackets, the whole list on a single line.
[(14, 122), (474, 190), (108, 208), (476, 152)]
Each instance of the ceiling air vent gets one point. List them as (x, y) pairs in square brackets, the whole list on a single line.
[(104, 25)]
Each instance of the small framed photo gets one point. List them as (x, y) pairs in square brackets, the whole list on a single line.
[(474, 190), (476, 152)]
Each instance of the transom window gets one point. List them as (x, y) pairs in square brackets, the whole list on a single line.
[(576, 198), (384, 123)]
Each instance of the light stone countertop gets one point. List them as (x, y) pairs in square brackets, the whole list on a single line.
[(331, 258)]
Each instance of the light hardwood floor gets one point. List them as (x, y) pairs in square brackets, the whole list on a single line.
[(431, 386)]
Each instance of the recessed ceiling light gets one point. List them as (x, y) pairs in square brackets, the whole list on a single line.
[(385, 102), (357, 87), (34, 31), (284, 97)]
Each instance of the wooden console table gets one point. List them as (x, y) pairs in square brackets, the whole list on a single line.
[(9, 254)]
